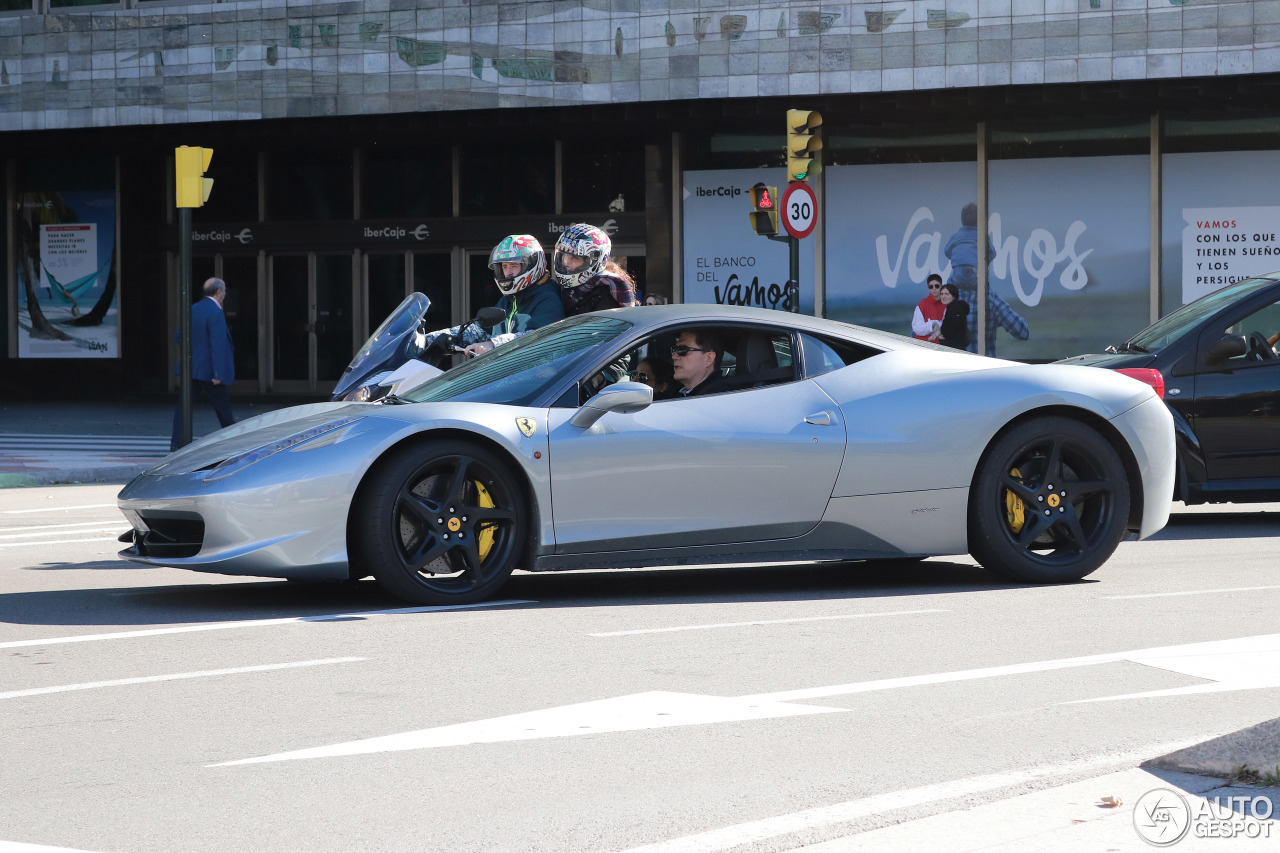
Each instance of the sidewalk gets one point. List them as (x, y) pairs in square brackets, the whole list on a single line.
[(96, 442)]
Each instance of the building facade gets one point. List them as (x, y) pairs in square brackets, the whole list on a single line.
[(1119, 154)]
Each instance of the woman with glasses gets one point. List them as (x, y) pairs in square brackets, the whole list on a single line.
[(927, 321), (657, 374)]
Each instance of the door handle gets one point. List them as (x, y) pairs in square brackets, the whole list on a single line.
[(819, 419)]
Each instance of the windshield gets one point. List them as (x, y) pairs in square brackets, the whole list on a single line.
[(516, 373), (1171, 327), (384, 344)]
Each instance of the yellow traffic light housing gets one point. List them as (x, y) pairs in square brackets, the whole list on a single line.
[(764, 218), (803, 144), (192, 186)]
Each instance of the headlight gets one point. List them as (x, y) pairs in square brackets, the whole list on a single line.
[(238, 463)]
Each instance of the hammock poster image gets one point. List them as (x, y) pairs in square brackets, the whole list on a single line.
[(67, 296)]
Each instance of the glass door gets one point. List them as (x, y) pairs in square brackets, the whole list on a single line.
[(311, 324)]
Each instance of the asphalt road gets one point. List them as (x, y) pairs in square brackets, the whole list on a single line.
[(751, 708)]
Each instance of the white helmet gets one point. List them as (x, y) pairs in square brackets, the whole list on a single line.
[(587, 242)]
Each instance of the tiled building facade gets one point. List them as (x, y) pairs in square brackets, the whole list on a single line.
[(375, 147)]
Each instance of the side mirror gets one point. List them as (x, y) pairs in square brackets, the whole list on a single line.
[(1229, 346), (490, 317), (621, 397)]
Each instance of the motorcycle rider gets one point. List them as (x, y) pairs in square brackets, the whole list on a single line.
[(529, 297), (589, 280)]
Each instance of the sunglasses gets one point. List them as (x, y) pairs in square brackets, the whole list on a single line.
[(935, 287), (682, 350), (642, 377)]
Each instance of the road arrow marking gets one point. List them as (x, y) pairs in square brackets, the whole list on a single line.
[(654, 710), (1239, 664)]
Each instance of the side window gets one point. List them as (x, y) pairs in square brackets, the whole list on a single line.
[(748, 357), (1261, 333), (823, 355)]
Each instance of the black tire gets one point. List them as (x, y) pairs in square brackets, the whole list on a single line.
[(1049, 503), (441, 523)]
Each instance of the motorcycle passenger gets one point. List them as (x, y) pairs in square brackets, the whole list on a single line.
[(529, 298), (589, 280)]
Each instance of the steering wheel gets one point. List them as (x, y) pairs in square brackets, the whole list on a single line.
[(1259, 349)]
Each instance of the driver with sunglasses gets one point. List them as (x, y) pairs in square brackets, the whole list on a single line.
[(927, 321), (696, 359)]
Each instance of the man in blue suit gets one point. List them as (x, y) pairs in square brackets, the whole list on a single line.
[(213, 365)]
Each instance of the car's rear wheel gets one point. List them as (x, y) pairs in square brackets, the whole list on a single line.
[(1049, 502), (442, 523)]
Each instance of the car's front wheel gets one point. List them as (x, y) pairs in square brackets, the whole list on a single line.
[(441, 523), (1049, 502)]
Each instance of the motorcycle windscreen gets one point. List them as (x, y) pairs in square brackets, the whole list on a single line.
[(385, 347)]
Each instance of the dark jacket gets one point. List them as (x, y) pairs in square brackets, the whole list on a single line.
[(212, 356), (955, 325), (535, 307), (601, 293)]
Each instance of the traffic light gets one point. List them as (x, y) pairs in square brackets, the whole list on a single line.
[(190, 165), (764, 219), (803, 144)]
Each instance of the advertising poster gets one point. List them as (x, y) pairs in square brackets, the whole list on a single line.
[(887, 226), (1223, 245), (725, 262), (1068, 261), (65, 263), (1220, 222)]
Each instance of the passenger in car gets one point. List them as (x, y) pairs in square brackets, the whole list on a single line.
[(657, 374), (696, 361)]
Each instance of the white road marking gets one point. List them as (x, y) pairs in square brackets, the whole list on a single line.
[(254, 623), (97, 528), (57, 542), (1189, 592), (1239, 664), (760, 622), (730, 837), (59, 508), (96, 525), (93, 685), (652, 710), (19, 847)]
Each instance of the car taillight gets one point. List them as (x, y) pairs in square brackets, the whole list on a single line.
[(1149, 375)]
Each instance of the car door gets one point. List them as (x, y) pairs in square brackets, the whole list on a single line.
[(1236, 414), (740, 466)]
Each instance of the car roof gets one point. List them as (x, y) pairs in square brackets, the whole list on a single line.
[(645, 316)]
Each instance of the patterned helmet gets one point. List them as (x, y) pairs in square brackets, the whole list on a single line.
[(587, 242), (523, 249)]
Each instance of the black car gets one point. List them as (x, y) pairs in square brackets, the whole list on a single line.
[(1217, 362)]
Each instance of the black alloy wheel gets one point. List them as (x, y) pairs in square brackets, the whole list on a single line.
[(442, 523), (1049, 503)]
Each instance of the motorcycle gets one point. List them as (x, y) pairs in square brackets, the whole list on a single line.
[(397, 357)]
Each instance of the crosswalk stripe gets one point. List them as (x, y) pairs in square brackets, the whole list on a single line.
[(25, 445)]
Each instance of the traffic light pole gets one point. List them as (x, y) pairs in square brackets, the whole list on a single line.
[(793, 281), (184, 311)]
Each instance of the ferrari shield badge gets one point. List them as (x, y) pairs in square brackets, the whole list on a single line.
[(527, 426)]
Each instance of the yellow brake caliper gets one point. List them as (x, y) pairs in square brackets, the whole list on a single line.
[(484, 534), (1014, 509)]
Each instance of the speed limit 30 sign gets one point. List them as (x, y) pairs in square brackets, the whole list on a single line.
[(799, 209)]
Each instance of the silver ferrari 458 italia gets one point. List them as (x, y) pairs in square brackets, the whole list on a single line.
[(818, 441)]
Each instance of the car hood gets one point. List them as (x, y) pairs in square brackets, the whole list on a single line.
[(256, 432)]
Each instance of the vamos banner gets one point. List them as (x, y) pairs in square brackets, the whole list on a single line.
[(725, 262), (1068, 254), (65, 265), (1220, 222)]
